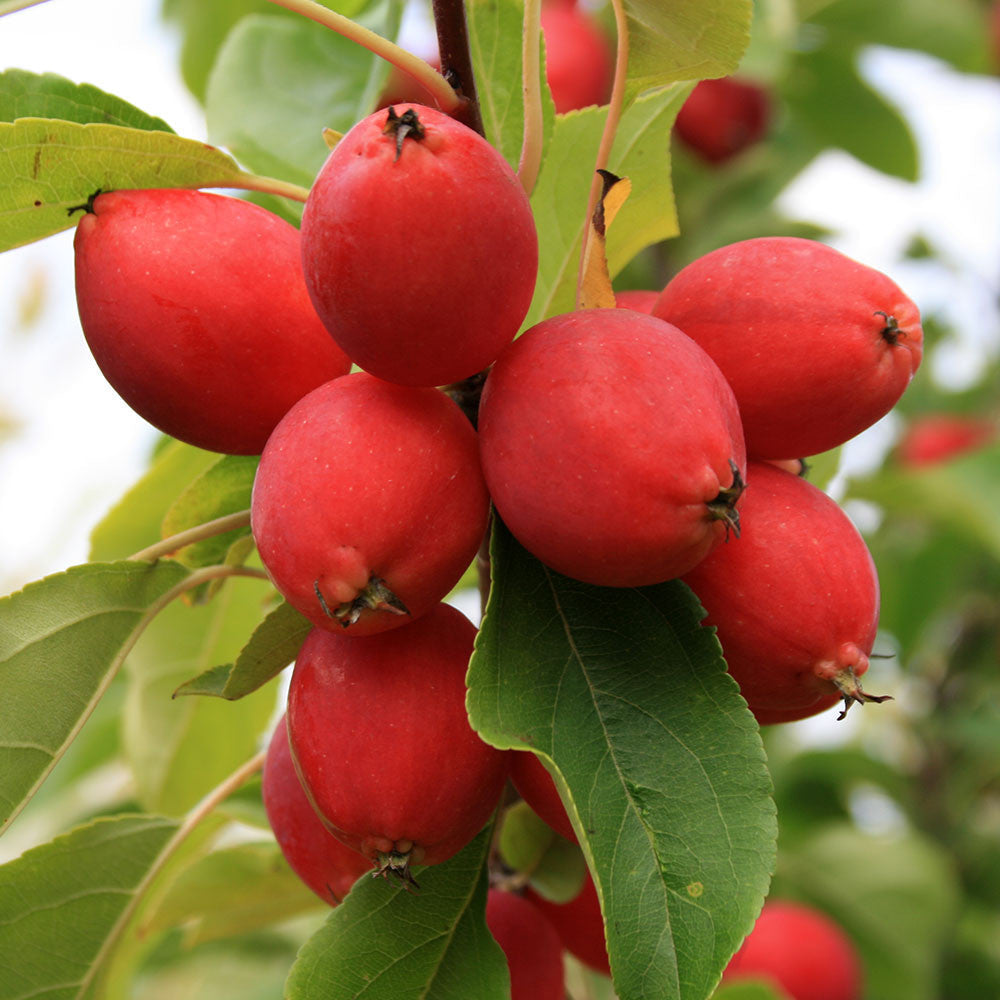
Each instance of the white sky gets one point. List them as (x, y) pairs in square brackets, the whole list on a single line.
[(79, 446)]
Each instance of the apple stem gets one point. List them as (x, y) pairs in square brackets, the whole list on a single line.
[(456, 61), (530, 162), (218, 526)]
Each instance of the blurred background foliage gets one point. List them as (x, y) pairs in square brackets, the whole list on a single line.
[(890, 822)]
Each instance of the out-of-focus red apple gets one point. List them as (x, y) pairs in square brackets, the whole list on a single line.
[(800, 950), (940, 436), (723, 117), (580, 925), (578, 59)]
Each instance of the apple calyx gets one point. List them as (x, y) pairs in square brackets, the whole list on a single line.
[(375, 597), (892, 331), (395, 864), (841, 673), (401, 126), (723, 507)]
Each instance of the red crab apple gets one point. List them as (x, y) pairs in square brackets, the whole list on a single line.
[(531, 944), (580, 925), (578, 56), (369, 503), (794, 599), (536, 786), (939, 436), (419, 247), (380, 736), (326, 865), (801, 951), (723, 117), (612, 447), (195, 309), (816, 346)]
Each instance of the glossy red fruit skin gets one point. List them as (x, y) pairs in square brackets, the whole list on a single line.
[(723, 117), (604, 436), (580, 925), (802, 951), (531, 944), (794, 599), (804, 336), (535, 785), (314, 854), (637, 299), (382, 743), (578, 57), (195, 309), (366, 479), (937, 437), (421, 265)]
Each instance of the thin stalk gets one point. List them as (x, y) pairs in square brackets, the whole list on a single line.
[(456, 59), (209, 529), (610, 129), (190, 823), (531, 87), (267, 185), (421, 71)]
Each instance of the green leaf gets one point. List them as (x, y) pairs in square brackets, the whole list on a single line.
[(642, 153), (51, 167), (831, 101), (61, 642), (204, 27), (953, 31), (179, 749), (959, 495), (495, 28), (386, 944), (134, 523), (232, 891), (772, 40), (895, 896), (273, 646), (61, 904), (684, 40), (661, 760), (559, 200), (47, 95), (223, 488), (326, 81)]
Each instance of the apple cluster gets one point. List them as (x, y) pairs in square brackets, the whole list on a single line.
[(621, 447)]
